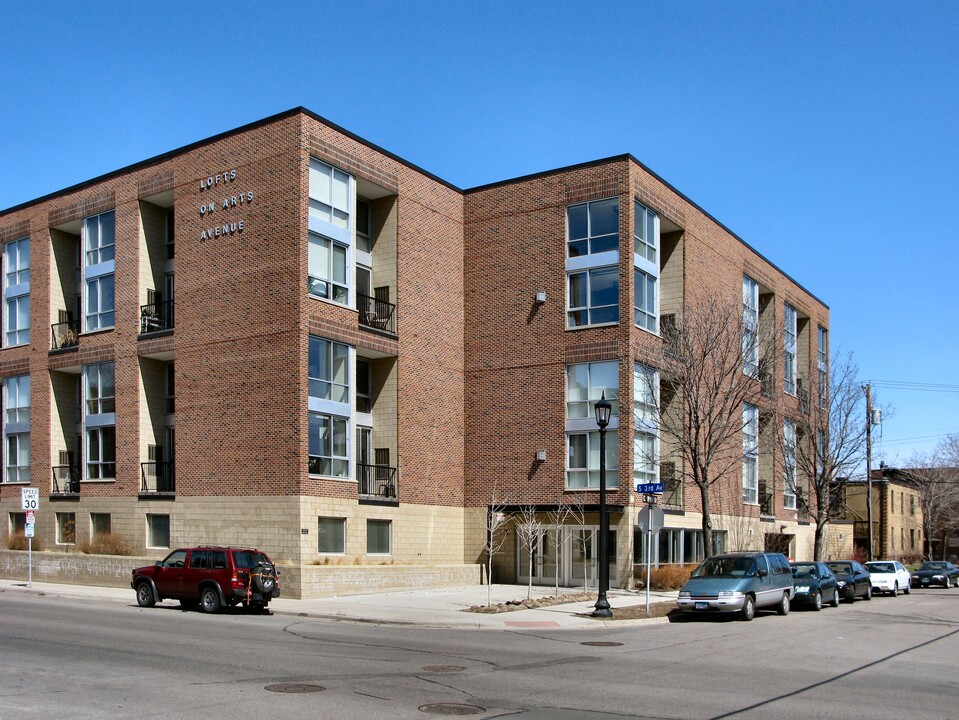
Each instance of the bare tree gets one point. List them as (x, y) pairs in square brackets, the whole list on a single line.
[(529, 530), (831, 445), (557, 518), (581, 539), (496, 536), (703, 389), (936, 477)]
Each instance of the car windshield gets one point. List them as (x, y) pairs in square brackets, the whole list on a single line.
[(804, 571), (726, 566), (248, 559), (839, 567), (880, 567), (933, 566)]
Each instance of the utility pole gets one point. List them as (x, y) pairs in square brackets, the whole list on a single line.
[(868, 390)]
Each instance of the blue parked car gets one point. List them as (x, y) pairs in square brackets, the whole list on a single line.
[(814, 584)]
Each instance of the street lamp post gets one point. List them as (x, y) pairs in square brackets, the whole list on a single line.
[(603, 411)]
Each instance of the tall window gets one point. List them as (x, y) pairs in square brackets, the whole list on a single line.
[(822, 358), (16, 428), (789, 349), (750, 454), (98, 268), (646, 267), (16, 292), (592, 262), (750, 326), (158, 531), (789, 464), (646, 423), (378, 537), (99, 392), (329, 408), (585, 384), (330, 237), (66, 528)]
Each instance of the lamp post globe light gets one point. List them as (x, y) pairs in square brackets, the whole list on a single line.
[(603, 411)]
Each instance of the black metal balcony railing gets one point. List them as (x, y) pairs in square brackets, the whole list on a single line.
[(156, 317), (376, 481), (65, 335), (766, 504), (377, 314), (158, 477), (66, 480)]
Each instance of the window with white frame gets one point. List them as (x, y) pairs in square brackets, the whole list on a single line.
[(66, 528), (592, 262), (750, 326), (99, 419), (98, 271), (331, 535), (645, 423), (329, 258), (823, 367), (789, 464), (16, 428), (378, 537), (585, 384), (790, 333), (750, 454), (16, 292), (329, 408), (646, 267)]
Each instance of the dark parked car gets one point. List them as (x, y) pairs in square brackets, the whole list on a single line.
[(852, 579), (935, 572), (214, 577), (814, 584)]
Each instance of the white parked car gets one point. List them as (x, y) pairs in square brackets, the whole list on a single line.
[(889, 576)]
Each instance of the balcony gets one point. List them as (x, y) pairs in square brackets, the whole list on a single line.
[(156, 317), (766, 510), (66, 480), (376, 314), (65, 335), (376, 481), (158, 478)]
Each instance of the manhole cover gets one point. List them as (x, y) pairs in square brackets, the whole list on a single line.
[(601, 643), (444, 668), (295, 688), (450, 709)]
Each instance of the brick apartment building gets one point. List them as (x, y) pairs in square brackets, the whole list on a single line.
[(288, 337)]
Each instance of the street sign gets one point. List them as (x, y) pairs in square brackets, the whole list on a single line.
[(650, 488), (31, 517), (30, 498), (28, 530), (651, 519)]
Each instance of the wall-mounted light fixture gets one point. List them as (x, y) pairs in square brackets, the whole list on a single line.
[(540, 297), (540, 456)]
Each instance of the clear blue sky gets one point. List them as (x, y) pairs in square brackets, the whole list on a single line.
[(824, 134)]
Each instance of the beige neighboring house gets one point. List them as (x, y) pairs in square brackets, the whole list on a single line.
[(896, 516)]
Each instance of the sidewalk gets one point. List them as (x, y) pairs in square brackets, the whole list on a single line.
[(438, 607)]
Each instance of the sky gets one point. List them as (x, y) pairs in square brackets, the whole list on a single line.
[(825, 134)]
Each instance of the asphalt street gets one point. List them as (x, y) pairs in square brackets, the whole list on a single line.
[(80, 658)]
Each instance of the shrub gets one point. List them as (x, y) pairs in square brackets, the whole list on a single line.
[(19, 541), (665, 577), (106, 544)]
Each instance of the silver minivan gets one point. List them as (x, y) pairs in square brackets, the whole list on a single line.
[(738, 582)]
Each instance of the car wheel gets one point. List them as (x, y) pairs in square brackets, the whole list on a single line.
[(749, 608), (817, 602), (783, 607), (895, 590), (908, 588), (145, 597), (868, 595), (835, 598), (264, 578), (210, 600)]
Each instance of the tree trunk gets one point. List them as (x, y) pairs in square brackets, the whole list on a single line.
[(819, 539), (708, 548)]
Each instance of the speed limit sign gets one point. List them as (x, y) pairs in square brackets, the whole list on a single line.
[(30, 498)]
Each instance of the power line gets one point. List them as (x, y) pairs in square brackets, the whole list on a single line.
[(907, 385)]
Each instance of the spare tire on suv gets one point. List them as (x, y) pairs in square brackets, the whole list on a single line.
[(263, 578)]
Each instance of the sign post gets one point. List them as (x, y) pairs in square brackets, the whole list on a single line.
[(651, 519), (30, 501)]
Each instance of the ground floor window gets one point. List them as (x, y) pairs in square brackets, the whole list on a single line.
[(378, 537), (158, 531), (66, 528), (564, 554), (331, 535), (18, 523), (675, 546), (100, 524)]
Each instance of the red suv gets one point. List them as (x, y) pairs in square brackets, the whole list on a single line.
[(214, 577)]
